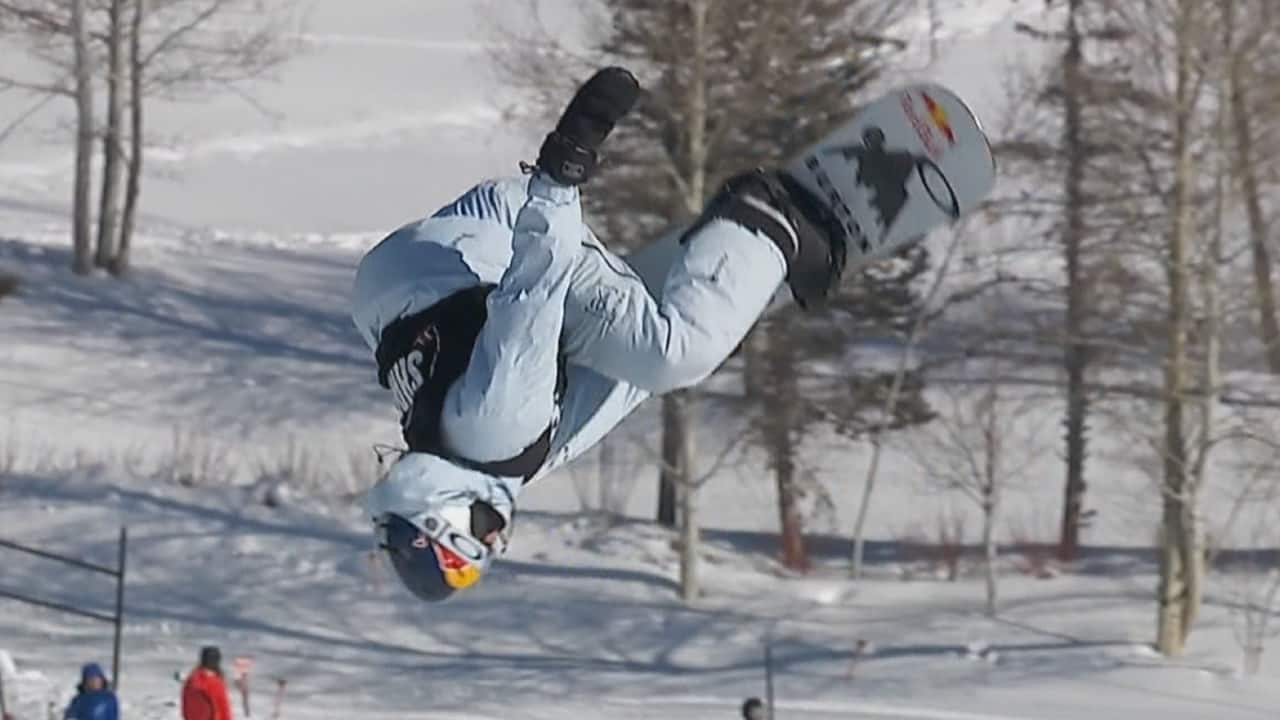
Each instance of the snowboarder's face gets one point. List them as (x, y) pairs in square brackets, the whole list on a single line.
[(94, 684)]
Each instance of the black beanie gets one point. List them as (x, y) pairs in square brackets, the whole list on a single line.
[(211, 658)]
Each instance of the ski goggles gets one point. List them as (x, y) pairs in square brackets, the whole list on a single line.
[(462, 558)]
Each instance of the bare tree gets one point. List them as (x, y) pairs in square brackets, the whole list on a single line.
[(1251, 39), (779, 426), (60, 37), (1077, 91), (894, 396), (1181, 557), (112, 135), (80, 212), (1251, 584), (690, 527), (1161, 143), (935, 27), (192, 50), (133, 186), (984, 441), (1160, 241), (1259, 606), (175, 47), (1075, 352)]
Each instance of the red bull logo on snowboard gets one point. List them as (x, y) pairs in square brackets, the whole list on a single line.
[(928, 130), (939, 117)]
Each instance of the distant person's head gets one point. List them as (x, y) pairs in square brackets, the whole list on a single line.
[(211, 658), (753, 709), (92, 678)]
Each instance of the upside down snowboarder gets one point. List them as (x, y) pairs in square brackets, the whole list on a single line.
[(512, 340)]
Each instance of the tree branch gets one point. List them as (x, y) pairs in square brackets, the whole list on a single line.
[(34, 87), (181, 31), (9, 129)]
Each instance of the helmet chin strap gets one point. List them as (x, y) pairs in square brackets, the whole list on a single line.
[(502, 498), (382, 451)]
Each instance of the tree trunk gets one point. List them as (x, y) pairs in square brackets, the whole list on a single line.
[(689, 532), (1192, 540), (935, 28), (120, 263), (990, 513), (696, 199), (674, 426), (1075, 351), (674, 413), (1252, 657), (752, 345), (609, 478), (891, 410), (992, 467), (81, 233), (112, 137), (1168, 621), (864, 508), (1177, 567), (1246, 169), (780, 422)]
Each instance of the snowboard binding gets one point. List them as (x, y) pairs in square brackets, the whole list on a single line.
[(809, 235)]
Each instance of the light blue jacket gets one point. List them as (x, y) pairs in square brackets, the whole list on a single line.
[(663, 318)]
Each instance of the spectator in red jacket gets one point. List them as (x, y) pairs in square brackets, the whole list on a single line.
[(204, 696)]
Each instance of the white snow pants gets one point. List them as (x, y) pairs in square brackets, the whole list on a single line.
[(662, 320)]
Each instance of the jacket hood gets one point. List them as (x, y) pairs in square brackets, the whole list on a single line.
[(419, 482), (91, 671)]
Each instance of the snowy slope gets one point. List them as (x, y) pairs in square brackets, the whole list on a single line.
[(229, 358), (581, 621)]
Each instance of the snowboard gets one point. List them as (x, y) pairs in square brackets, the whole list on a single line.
[(911, 161)]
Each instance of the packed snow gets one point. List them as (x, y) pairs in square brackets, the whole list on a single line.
[(220, 405)]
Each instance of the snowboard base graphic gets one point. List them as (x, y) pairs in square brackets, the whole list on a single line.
[(912, 161)]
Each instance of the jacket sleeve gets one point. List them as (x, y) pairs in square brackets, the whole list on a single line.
[(495, 200), (514, 365), (221, 699), (111, 709)]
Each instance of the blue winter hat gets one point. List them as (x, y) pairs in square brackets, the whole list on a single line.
[(91, 671)]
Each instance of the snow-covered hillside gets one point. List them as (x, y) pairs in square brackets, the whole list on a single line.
[(228, 362), (581, 621)]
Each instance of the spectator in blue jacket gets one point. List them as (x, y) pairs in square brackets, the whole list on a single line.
[(95, 700)]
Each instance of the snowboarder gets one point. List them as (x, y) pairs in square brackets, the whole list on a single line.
[(94, 699), (512, 340)]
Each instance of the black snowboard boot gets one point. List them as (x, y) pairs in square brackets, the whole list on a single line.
[(812, 240), (570, 153)]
